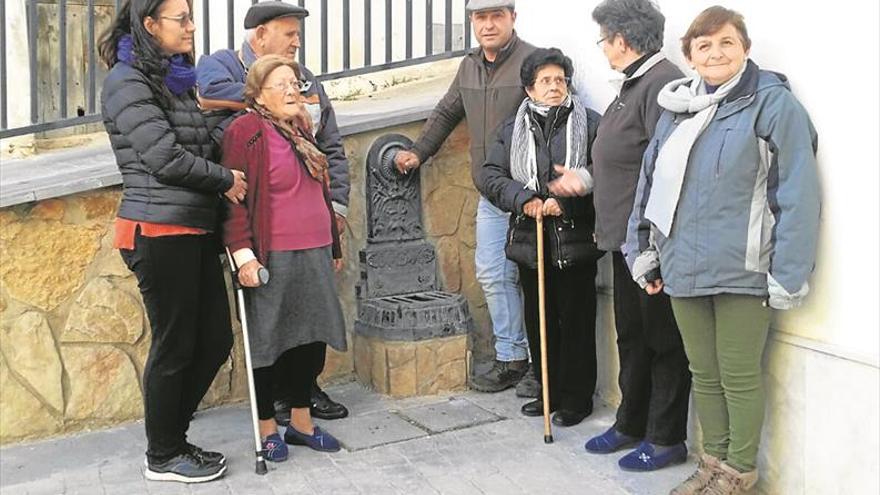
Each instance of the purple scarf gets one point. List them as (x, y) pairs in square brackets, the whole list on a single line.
[(181, 76)]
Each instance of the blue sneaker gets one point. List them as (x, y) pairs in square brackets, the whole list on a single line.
[(274, 449), (645, 459), (610, 441), (320, 440)]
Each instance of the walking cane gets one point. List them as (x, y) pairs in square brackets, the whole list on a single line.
[(542, 317), (263, 275)]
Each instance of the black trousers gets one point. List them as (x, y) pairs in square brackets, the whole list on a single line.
[(282, 393), (291, 376), (654, 378), (570, 297), (181, 282)]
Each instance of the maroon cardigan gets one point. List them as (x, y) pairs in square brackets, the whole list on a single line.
[(246, 148)]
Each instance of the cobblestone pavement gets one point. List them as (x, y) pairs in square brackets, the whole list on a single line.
[(468, 443)]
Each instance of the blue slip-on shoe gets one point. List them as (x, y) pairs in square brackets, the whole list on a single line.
[(320, 440), (644, 458), (274, 448), (611, 441)]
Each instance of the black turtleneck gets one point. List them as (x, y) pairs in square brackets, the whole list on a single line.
[(556, 115), (633, 67)]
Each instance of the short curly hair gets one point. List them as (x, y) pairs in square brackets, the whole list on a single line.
[(539, 58), (638, 21)]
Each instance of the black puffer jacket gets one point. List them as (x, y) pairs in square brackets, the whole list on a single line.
[(568, 239), (164, 152)]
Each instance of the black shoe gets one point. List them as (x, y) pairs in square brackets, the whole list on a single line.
[(535, 408), (206, 455), (323, 407), (185, 468), (564, 417), (502, 376), (282, 412), (529, 387)]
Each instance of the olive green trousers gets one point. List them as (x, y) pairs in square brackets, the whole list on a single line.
[(724, 337)]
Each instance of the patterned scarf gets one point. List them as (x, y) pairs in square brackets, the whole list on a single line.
[(302, 142), (523, 161)]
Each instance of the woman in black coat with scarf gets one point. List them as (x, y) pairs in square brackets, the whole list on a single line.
[(551, 131)]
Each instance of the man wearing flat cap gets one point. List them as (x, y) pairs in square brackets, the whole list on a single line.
[(274, 27), (485, 92)]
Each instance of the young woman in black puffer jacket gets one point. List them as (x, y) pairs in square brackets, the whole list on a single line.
[(551, 129), (172, 191)]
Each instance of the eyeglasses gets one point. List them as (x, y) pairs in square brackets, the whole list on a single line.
[(601, 40), (283, 86), (182, 19), (558, 80)]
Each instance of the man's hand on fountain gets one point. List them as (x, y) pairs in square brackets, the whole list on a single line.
[(406, 161)]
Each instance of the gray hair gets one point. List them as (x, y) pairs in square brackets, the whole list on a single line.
[(638, 21)]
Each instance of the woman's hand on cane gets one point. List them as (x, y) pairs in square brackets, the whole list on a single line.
[(551, 208), (534, 208), (249, 274)]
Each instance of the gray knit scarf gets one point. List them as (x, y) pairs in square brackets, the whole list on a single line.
[(523, 162), (682, 96)]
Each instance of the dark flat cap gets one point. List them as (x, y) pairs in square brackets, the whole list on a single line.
[(263, 12)]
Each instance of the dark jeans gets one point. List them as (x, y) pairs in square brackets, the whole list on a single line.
[(654, 379), (570, 297), (292, 376), (181, 282)]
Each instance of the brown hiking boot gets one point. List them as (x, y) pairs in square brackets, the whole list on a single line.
[(502, 375), (708, 466), (729, 481)]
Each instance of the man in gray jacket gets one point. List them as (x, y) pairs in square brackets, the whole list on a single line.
[(486, 90), (274, 28)]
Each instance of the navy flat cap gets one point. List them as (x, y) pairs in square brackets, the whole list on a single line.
[(263, 12)]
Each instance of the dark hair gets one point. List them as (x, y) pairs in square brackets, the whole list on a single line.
[(709, 22), (638, 21), (148, 55), (538, 59)]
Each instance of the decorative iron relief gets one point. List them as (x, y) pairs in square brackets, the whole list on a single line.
[(394, 209)]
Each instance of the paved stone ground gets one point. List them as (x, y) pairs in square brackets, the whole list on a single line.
[(461, 444)]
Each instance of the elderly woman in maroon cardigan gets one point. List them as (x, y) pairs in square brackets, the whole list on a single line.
[(286, 225)]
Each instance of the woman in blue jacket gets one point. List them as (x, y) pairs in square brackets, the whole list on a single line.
[(728, 208)]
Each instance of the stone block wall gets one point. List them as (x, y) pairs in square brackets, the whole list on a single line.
[(405, 369), (73, 332)]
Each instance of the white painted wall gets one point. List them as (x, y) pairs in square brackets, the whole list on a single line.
[(821, 433), (17, 76)]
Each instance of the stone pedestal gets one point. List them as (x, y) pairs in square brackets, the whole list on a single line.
[(405, 369), (410, 337)]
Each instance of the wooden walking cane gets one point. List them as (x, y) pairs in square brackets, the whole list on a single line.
[(542, 318)]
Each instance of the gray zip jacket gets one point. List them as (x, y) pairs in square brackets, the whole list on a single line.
[(749, 206)]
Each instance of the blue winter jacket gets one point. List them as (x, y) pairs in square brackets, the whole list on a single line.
[(749, 204)]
